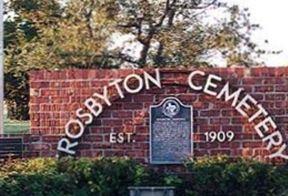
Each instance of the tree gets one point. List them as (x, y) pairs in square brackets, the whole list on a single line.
[(168, 32), (19, 31), (44, 34), (175, 32), (51, 34), (68, 36)]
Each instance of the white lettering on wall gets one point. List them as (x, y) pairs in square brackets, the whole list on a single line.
[(69, 127), (104, 96), (117, 86), (210, 84), (190, 80), (139, 83), (95, 108), (156, 81), (227, 96), (263, 128)]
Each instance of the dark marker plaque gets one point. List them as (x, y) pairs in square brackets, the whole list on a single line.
[(170, 132)]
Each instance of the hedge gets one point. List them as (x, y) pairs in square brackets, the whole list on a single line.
[(220, 176), (111, 176)]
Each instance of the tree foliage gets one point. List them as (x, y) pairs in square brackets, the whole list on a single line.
[(66, 36), (179, 32), (54, 34), (45, 34), (166, 32)]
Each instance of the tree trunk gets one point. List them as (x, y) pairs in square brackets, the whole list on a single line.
[(146, 46), (143, 55), (158, 59)]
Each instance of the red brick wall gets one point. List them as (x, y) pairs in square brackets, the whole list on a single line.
[(56, 95)]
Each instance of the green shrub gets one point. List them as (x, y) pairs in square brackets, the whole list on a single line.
[(223, 176), (109, 176), (112, 176), (105, 176)]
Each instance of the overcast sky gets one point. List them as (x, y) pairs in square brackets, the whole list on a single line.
[(272, 16)]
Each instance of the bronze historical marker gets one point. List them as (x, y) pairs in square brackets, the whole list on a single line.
[(170, 132)]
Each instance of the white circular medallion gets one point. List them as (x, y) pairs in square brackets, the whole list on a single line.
[(170, 108)]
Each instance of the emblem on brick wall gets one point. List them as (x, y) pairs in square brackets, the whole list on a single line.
[(170, 108)]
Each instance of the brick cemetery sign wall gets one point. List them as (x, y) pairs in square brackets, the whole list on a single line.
[(235, 111)]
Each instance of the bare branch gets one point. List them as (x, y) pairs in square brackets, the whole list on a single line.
[(167, 11), (167, 7), (129, 25), (197, 7), (88, 17)]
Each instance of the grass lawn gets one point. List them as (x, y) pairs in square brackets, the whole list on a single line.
[(13, 126)]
